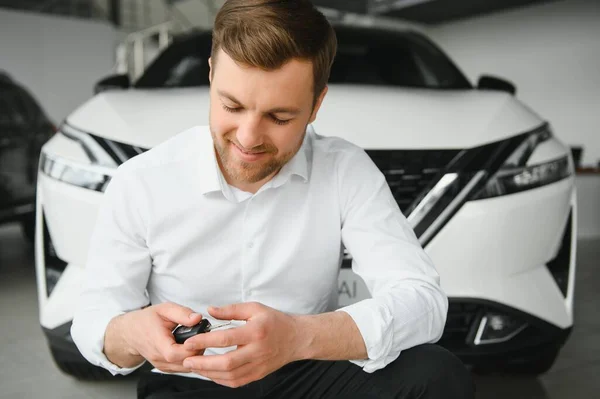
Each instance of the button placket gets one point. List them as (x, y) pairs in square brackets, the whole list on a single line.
[(249, 247)]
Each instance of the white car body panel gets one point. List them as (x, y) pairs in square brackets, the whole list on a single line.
[(406, 118), (507, 262), (77, 206), (60, 307)]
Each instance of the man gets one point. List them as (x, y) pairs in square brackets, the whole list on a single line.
[(252, 214)]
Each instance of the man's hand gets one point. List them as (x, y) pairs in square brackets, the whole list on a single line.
[(269, 340), (147, 334)]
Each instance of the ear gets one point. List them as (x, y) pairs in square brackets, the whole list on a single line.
[(318, 105), (210, 69)]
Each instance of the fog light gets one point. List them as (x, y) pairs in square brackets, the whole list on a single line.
[(495, 328)]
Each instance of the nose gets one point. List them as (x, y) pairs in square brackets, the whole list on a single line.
[(248, 132)]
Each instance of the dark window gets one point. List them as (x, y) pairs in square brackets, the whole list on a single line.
[(374, 57), (393, 59), (182, 64)]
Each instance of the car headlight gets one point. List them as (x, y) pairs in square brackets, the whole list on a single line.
[(499, 168), (94, 174), (69, 172), (515, 175), (95, 152)]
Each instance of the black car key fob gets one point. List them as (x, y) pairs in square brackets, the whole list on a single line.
[(182, 333)]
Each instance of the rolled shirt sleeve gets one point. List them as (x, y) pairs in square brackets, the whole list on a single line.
[(117, 268), (407, 307)]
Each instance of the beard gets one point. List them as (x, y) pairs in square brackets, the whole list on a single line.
[(250, 172)]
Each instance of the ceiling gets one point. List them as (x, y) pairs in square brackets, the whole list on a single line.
[(76, 8), (427, 11), (357, 6), (424, 11)]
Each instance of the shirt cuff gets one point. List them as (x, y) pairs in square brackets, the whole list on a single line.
[(88, 335), (375, 323)]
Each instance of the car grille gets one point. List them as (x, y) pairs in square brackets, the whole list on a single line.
[(459, 322), (119, 152), (411, 173)]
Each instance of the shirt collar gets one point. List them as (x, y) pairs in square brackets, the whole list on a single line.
[(209, 166), (298, 165)]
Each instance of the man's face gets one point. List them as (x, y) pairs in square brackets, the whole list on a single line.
[(258, 118)]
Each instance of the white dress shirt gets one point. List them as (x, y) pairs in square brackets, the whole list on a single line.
[(170, 229)]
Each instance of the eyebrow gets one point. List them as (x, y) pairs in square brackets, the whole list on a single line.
[(277, 110)]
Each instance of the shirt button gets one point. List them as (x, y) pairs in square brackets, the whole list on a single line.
[(250, 245)]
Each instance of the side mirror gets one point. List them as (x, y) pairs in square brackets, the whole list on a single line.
[(112, 82), (487, 82)]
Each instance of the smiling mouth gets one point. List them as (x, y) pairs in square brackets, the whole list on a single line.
[(250, 152), (249, 156)]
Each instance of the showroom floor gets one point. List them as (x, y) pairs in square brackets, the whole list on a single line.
[(27, 371)]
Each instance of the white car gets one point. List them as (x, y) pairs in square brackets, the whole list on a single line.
[(482, 179)]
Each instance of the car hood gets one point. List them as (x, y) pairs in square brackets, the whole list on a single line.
[(371, 117)]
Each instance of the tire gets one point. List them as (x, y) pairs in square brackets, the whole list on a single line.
[(79, 369)]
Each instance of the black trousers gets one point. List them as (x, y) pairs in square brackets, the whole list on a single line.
[(426, 371)]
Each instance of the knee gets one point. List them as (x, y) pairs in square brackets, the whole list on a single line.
[(435, 372)]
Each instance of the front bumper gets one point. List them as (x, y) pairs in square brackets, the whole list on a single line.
[(59, 339), (537, 338)]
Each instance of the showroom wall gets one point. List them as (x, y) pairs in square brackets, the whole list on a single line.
[(550, 51), (58, 59)]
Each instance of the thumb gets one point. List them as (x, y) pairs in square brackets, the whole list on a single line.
[(236, 311), (178, 314)]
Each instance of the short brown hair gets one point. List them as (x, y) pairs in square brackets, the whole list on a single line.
[(268, 33)]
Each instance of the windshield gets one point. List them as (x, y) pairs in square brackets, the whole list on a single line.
[(373, 57)]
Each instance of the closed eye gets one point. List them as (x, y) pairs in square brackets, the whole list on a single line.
[(279, 121), (230, 109), (273, 117)]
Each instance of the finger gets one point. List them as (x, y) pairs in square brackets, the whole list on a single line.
[(226, 362), (171, 368), (171, 351), (220, 338), (236, 311), (254, 375), (178, 314), (238, 374)]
